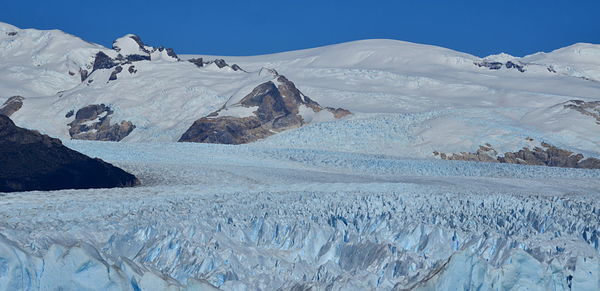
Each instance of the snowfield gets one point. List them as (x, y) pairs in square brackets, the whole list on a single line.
[(257, 218)]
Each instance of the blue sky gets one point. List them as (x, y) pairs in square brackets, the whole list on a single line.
[(231, 27)]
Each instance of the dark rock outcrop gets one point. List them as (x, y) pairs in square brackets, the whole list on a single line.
[(115, 72), (197, 61), (103, 61), (277, 109), (83, 73), (12, 105), (93, 123), (235, 67), (136, 58), (489, 65), (338, 112), (220, 63), (546, 155), (33, 161), (591, 109), (492, 65), (511, 65)]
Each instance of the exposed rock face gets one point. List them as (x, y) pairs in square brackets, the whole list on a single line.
[(33, 161), (485, 153), (220, 63), (270, 108), (197, 61), (12, 105), (547, 155), (338, 112), (103, 61), (169, 51), (519, 67), (591, 109), (492, 65), (83, 73), (93, 123), (113, 75)]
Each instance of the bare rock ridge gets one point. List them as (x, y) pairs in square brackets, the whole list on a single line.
[(272, 107), (93, 122), (546, 155), (493, 65), (12, 105), (591, 109), (220, 63), (33, 161)]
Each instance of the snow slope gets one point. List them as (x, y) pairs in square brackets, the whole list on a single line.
[(37, 62), (438, 98)]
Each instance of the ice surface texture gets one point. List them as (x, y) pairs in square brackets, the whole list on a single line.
[(259, 218)]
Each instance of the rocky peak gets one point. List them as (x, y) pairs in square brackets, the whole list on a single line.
[(131, 48), (271, 107), (12, 105), (131, 44)]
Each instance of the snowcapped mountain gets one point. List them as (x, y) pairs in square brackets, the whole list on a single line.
[(437, 99), (342, 185)]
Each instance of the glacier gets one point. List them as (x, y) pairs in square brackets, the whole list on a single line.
[(260, 218)]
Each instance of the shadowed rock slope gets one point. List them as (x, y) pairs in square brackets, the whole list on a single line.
[(270, 108), (33, 161)]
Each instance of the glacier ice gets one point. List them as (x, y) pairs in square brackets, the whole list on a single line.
[(254, 218)]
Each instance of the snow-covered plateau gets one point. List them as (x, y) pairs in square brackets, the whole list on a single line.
[(355, 203)]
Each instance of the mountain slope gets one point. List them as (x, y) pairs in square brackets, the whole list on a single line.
[(407, 99)]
